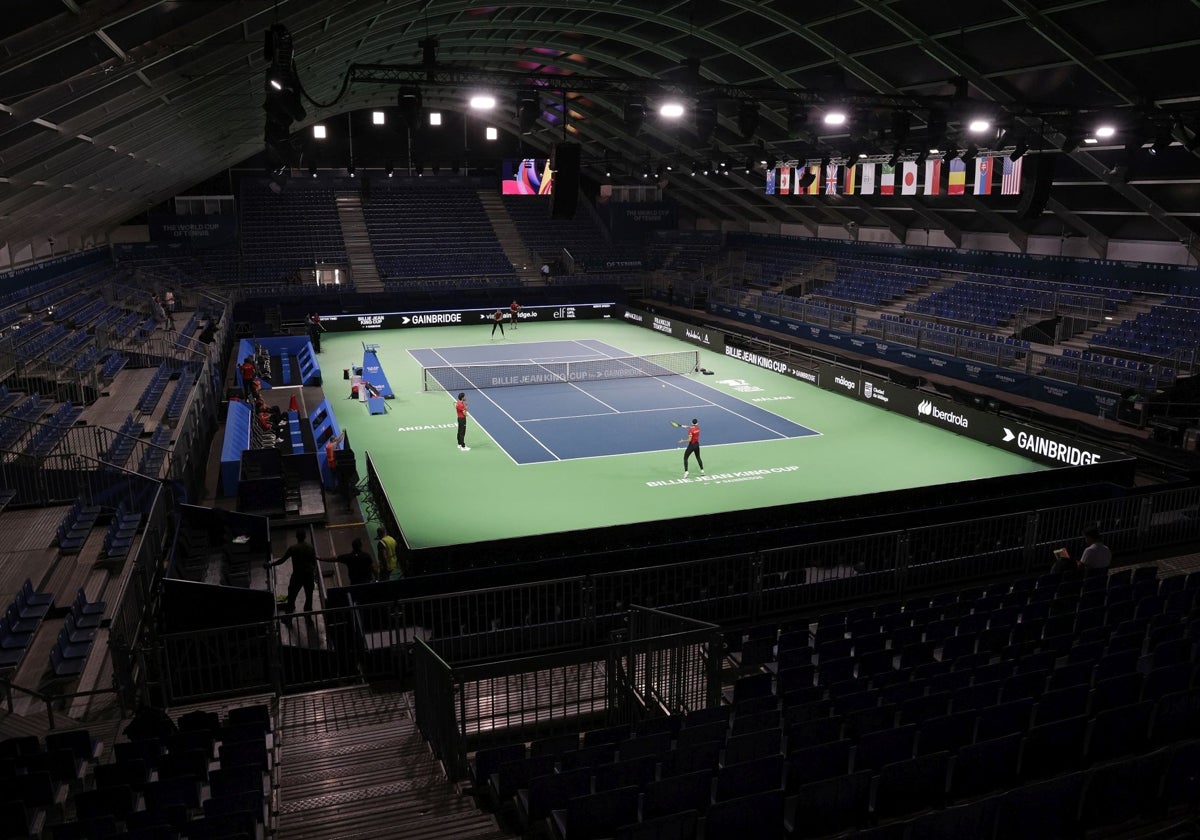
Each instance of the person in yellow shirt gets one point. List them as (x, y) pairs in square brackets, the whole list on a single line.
[(389, 566)]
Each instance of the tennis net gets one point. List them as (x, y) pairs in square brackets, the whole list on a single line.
[(463, 377)]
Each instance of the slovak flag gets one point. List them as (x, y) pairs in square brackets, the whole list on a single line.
[(1010, 181), (908, 178), (983, 176), (831, 179)]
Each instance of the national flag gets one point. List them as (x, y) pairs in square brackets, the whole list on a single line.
[(815, 187), (983, 176), (908, 178), (933, 177), (851, 172), (770, 182), (887, 181), (1010, 181), (831, 179), (785, 180), (958, 177), (866, 173)]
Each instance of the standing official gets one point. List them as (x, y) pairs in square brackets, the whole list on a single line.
[(460, 409)]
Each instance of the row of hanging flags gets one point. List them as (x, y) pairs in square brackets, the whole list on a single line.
[(993, 176)]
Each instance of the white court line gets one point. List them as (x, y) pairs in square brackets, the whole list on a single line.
[(678, 448), (506, 414), (738, 414), (631, 411)]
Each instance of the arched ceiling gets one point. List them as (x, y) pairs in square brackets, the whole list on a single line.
[(108, 107)]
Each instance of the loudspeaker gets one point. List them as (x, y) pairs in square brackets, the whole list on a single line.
[(564, 160), (1033, 202)]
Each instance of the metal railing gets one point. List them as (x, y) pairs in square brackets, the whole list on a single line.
[(552, 618), (652, 663), (944, 339)]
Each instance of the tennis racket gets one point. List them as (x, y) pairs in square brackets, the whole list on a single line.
[(675, 424)]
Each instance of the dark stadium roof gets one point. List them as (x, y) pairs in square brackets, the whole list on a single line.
[(108, 107)]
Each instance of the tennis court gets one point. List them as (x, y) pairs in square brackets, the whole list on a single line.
[(555, 457), (562, 400)]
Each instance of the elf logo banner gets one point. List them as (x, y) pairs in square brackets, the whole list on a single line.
[(926, 408), (1050, 448)]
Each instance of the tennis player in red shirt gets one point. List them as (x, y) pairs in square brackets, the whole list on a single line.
[(693, 447), (513, 309), (460, 408)]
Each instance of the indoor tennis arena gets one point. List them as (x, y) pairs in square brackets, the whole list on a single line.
[(695, 421)]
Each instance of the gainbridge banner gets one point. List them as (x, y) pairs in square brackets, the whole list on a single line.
[(463, 317)]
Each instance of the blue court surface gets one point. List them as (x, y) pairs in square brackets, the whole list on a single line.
[(588, 419)]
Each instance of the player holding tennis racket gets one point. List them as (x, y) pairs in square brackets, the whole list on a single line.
[(693, 446)]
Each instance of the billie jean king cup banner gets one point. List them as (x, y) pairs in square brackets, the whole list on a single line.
[(463, 317)]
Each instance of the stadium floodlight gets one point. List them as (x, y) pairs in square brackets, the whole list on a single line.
[(319, 131), (1091, 141), (1161, 143), (482, 102), (491, 133), (935, 151), (435, 117), (312, 170), (1105, 131), (350, 170), (390, 171), (835, 118), (377, 118), (276, 82), (979, 125), (672, 110)]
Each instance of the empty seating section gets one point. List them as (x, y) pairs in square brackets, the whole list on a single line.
[(680, 254), (202, 776), (982, 303), (902, 717), (1165, 330), (154, 454), (154, 389), (123, 442), (48, 434), (121, 533), (75, 526), (961, 341), (433, 229), (582, 236), (1107, 371), (18, 420), (179, 396), (22, 618), (872, 284), (779, 258), (287, 232)]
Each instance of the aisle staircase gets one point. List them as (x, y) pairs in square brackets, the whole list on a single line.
[(510, 239), (353, 765), (358, 243)]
